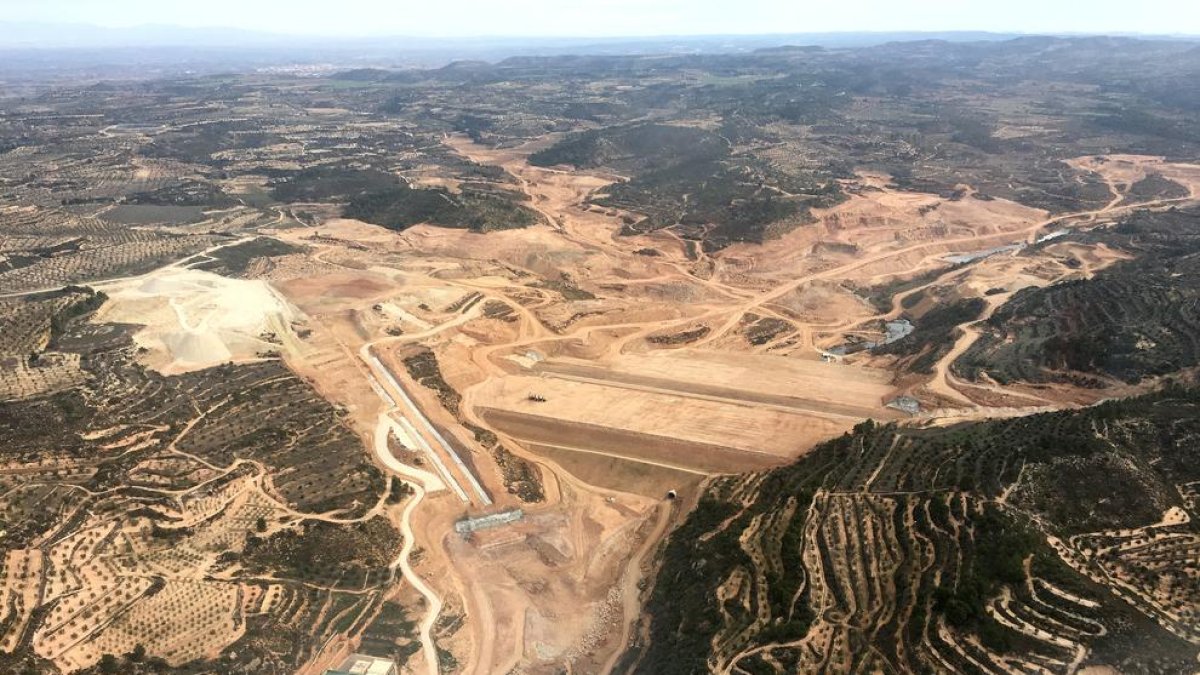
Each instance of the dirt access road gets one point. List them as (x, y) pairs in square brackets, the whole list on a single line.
[(471, 351), (563, 204)]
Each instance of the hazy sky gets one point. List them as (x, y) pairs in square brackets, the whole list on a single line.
[(621, 17)]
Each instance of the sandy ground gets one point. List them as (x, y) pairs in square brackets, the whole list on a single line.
[(194, 319), (616, 376), (656, 419), (686, 409), (592, 563), (545, 333)]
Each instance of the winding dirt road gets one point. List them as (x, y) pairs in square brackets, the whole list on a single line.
[(402, 561), (488, 650)]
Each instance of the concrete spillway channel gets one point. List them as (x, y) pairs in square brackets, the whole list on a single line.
[(407, 434), (443, 470), (423, 422)]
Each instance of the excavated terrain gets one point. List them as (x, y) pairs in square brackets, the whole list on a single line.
[(798, 360)]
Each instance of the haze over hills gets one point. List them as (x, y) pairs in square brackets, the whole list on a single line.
[(40, 50), (43, 48), (81, 36)]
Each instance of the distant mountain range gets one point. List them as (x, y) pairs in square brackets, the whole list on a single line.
[(52, 35), (34, 51)]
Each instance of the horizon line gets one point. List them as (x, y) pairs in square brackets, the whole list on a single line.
[(578, 37)]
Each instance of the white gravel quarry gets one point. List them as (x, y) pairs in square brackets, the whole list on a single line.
[(195, 319)]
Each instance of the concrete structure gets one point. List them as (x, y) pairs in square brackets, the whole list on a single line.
[(361, 664), (906, 404), (897, 330), (469, 525)]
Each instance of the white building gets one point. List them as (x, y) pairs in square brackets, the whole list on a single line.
[(361, 664)]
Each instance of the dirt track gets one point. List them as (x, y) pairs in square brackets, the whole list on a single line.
[(710, 405), (419, 483)]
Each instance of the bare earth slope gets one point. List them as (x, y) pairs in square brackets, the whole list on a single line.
[(430, 363)]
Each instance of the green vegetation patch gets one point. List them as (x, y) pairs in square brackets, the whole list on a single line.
[(641, 147), (188, 193), (934, 334), (392, 633), (402, 207), (321, 549), (86, 301), (423, 367), (235, 260), (331, 184), (1134, 320), (153, 214), (689, 179)]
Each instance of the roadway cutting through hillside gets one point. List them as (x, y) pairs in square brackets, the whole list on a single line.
[(726, 306), (562, 212), (403, 562)]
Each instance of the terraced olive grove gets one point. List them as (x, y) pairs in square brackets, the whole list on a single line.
[(1136, 320), (977, 548), (130, 497)]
